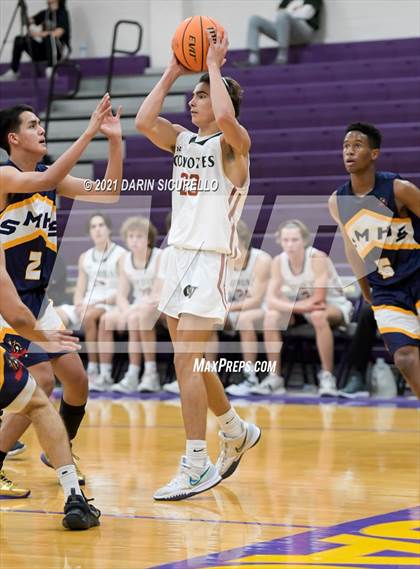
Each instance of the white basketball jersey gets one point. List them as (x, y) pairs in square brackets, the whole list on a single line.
[(298, 287), (241, 280), (206, 206), (102, 272), (142, 280)]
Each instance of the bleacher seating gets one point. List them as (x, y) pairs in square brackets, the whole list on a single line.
[(296, 115)]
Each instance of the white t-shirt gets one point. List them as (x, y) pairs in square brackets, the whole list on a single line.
[(142, 280), (298, 287), (242, 279), (102, 272)]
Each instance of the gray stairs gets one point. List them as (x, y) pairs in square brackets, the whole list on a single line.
[(69, 117)]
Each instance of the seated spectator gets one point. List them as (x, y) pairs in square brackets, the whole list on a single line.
[(304, 286), (249, 284), (46, 44), (295, 24), (96, 287), (138, 270)]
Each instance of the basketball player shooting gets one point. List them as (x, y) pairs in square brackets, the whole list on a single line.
[(205, 243)]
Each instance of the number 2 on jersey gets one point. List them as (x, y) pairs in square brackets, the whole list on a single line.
[(33, 273)]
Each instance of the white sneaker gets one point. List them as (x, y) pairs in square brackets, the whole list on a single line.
[(128, 384), (243, 388), (272, 384), (103, 383), (10, 75), (149, 382), (233, 449), (327, 384), (189, 481), (92, 379), (172, 387)]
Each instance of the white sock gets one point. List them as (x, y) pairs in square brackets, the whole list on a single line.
[(68, 479), (149, 366), (196, 452), (231, 424), (92, 368), (133, 370), (105, 369)]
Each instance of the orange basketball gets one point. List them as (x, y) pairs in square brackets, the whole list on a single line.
[(190, 42)]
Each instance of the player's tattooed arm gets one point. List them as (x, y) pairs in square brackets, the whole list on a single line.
[(407, 195)]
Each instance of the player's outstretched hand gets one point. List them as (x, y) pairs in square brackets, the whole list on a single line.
[(111, 124), (102, 109), (60, 341), (218, 47)]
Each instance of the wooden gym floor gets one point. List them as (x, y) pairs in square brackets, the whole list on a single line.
[(329, 486)]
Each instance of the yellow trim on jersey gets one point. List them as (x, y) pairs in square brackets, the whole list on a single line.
[(4, 331), (31, 237), (1, 366), (383, 246), (418, 304), (393, 308), (23, 203), (387, 218), (399, 331)]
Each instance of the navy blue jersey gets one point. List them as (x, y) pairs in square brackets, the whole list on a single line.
[(28, 233), (388, 244)]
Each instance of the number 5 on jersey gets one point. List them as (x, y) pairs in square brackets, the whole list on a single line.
[(384, 268)]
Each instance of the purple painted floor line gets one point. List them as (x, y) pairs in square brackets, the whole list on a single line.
[(402, 402), (169, 519), (311, 429)]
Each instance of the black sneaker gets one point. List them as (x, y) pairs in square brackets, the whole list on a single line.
[(354, 387), (79, 514)]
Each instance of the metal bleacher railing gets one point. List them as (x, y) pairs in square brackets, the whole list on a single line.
[(53, 96), (115, 50)]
